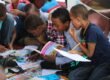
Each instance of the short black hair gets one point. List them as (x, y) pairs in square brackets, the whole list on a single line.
[(2, 10), (32, 22), (62, 14), (79, 10)]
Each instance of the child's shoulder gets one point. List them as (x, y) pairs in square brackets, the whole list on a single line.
[(9, 18)]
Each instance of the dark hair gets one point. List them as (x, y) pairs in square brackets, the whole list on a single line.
[(62, 14), (32, 22), (32, 1), (2, 10), (28, 7), (80, 10)]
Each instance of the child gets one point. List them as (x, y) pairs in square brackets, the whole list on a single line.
[(38, 3), (52, 33), (16, 7), (31, 9), (35, 25), (61, 20), (7, 29), (93, 43)]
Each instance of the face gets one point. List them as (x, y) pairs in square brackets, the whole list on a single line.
[(39, 3), (59, 25), (38, 31), (14, 1), (76, 21)]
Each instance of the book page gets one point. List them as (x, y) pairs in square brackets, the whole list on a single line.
[(48, 49), (75, 57)]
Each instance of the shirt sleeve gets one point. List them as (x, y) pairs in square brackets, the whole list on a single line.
[(92, 36)]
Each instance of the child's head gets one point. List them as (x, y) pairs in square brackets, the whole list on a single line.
[(78, 15), (38, 3), (34, 25), (31, 9), (2, 11), (15, 1), (61, 19)]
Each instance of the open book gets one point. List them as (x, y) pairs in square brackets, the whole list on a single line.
[(52, 48), (48, 49)]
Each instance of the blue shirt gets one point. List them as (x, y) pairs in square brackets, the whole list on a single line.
[(95, 35), (49, 5)]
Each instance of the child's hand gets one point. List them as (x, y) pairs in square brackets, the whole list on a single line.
[(34, 57), (75, 52), (3, 48), (73, 34), (10, 46), (50, 58)]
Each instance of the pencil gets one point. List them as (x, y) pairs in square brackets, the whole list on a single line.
[(76, 46)]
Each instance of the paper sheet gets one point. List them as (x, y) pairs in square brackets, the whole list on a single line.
[(6, 53), (28, 65), (75, 57), (29, 47), (48, 71)]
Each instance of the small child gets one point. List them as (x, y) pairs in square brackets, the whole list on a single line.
[(35, 25), (7, 29), (93, 43)]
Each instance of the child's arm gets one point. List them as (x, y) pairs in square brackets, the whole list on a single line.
[(91, 46), (18, 12), (2, 48), (76, 52), (90, 51), (13, 39)]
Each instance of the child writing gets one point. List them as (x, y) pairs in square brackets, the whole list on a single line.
[(93, 43)]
